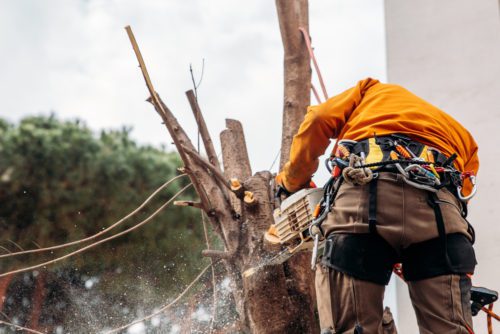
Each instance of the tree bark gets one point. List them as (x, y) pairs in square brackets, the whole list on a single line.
[(293, 14)]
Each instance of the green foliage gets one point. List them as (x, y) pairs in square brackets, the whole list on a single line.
[(61, 182)]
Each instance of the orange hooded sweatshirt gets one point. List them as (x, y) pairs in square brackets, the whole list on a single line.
[(371, 108)]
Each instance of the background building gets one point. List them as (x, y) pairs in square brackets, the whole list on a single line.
[(448, 52)]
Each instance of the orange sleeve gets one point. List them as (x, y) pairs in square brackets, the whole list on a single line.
[(471, 165), (321, 123)]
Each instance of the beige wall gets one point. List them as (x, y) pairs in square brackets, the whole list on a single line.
[(448, 52)]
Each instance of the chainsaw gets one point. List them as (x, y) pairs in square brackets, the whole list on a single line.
[(293, 227)]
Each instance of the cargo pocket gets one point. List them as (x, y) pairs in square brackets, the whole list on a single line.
[(323, 296), (452, 214)]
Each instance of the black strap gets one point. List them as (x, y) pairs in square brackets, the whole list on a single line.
[(433, 202), (372, 206)]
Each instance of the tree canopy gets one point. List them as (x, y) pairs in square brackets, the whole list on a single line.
[(59, 182)]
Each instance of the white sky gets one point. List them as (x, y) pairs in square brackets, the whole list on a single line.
[(74, 58)]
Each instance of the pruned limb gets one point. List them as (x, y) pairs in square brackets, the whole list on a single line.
[(297, 73), (234, 151), (217, 254), (189, 203), (237, 188), (202, 126), (249, 199)]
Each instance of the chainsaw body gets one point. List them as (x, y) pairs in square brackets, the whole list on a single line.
[(293, 219)]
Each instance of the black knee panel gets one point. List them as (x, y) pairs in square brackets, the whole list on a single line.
[(429, 259), (363, 256)]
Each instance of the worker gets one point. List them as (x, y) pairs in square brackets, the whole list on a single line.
[(405, 172)]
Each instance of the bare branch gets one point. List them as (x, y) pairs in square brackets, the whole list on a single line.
[(202, 127), (176, 132), (217, 254), (215, 172)]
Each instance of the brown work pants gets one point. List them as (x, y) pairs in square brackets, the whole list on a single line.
[(404, 218)]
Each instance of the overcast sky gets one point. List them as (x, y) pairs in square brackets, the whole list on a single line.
[(74, 58)]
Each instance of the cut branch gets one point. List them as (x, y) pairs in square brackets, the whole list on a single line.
[(234, 151), (189, 203), (202, 126)]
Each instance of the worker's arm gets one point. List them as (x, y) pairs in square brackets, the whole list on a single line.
[(321, 123)]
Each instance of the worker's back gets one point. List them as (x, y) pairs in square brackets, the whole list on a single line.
[(373, 109), (387, 108)]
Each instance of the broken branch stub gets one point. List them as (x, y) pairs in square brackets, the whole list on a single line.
[(234, 151)]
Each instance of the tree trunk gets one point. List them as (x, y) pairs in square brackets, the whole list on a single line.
[(292, 15), (278, 298)]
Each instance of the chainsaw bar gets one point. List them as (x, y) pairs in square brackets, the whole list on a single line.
[(279, 258)]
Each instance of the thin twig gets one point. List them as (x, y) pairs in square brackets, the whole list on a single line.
[(101, 232), (163, 308), (100, 241), (196, 98), (202, 72), (20, 327)]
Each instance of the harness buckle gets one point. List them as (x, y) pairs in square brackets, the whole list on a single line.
[(472, 178)]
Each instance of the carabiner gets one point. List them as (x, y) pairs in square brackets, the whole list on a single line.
[(472, 178)]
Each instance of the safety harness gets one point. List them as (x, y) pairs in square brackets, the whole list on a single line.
[(422, 167)]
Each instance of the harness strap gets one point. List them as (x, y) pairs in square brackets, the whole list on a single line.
[(433, 203), (372, 206)]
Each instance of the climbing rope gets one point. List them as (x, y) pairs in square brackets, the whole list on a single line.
[(307, 39), (21, 328), (165, 307), (78, 251), (356, 173), (98, 234)]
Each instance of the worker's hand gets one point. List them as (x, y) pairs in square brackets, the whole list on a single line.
[(281, 191)]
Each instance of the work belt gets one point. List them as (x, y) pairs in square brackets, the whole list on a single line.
[(422, 166)]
